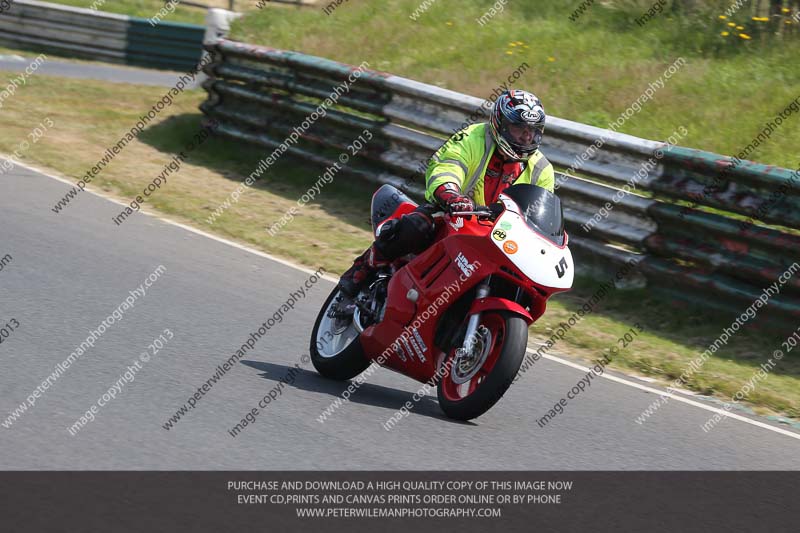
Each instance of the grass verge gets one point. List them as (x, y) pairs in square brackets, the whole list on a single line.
[(89, 116), (147, 8)]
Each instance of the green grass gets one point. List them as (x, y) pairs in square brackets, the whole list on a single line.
[(147, 9), (89, 116), (589, 71), (675, 333)]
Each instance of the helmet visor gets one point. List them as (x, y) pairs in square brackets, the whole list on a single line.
[(523, 137)]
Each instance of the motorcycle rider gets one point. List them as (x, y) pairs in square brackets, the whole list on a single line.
[(472, 168)]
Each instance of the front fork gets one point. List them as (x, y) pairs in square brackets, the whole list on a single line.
[(474, 321)]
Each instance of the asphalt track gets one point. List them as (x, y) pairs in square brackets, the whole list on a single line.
[(71, 270), (94, 71)]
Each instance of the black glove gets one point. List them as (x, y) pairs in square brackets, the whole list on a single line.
[(449, 196)]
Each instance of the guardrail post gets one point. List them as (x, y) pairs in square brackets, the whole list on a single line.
[(218, 24)]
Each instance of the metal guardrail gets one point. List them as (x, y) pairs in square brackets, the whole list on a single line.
[(101, 36), (230, 5), (259, 94), (298, 3)]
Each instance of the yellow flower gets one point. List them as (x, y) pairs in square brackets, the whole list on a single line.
[(551, 59), (788, 21), (744, 36), (739, 27), (785, 9), (731, 24), (761, 19), (512, 44), (520, 43), (722, 17), (725, 34), (509, 52), (449, 23)]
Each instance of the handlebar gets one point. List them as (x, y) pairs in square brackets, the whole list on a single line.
[(466, 214), (483, 211)]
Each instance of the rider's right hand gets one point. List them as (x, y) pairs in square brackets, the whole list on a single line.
[(449, 196)]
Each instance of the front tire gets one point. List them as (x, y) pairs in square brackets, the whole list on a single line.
[(335, 348), (505, 342)]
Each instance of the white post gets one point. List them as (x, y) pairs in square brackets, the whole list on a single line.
[(218, 24)]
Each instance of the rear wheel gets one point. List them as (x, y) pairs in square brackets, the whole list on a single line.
[(474, 382), (335, 348)]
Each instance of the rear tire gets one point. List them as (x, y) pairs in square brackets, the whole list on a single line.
[(509, 340), (338, 357)]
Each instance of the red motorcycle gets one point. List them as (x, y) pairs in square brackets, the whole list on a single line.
[(458, 313)]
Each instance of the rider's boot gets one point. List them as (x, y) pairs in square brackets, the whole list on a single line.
[(353, 279)]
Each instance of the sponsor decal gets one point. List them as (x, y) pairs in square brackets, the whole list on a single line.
[(505, 224), (417, 350), (466, 268), (458, 224), (407, 347), (533, 115), (498, 235), (419, 340), (510, 247), (401, 354)]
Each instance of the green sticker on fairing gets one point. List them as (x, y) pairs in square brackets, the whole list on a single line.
[(505, 224)]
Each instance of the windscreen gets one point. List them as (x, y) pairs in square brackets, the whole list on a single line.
[(541, 209)]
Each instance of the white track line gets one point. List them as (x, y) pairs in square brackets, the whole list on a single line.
[(675, 397), (184, 226), (335, 280)]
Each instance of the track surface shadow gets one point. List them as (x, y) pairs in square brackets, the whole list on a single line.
[(367, 394)]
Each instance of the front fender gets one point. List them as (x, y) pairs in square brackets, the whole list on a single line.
[(493, 303)]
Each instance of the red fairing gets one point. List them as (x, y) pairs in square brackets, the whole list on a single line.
[(422, 290), (500, 304), (403, 340)]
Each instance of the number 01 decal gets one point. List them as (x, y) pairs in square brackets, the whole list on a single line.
[(561, 267)]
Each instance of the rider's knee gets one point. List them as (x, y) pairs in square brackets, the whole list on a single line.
[(411, 233)]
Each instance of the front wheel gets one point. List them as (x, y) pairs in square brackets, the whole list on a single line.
[(335, 348), (473, 383)]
